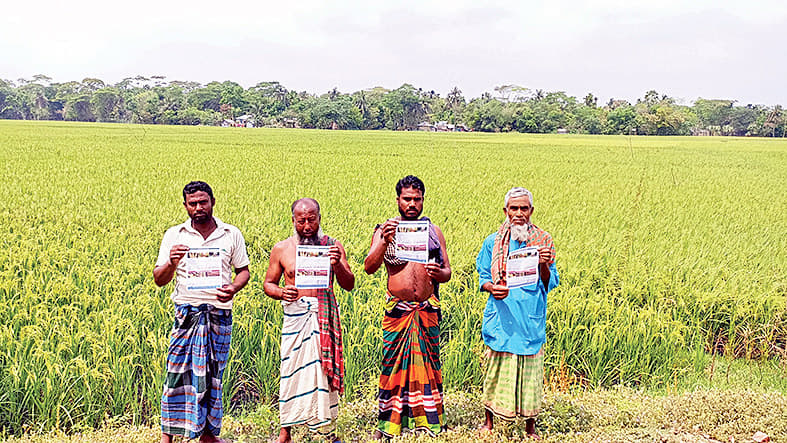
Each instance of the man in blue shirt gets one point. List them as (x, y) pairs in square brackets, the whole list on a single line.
[(514, 326)]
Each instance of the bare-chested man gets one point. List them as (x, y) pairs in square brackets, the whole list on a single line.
[(312, 366), (411, 384)]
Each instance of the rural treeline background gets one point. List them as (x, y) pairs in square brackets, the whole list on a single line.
[(511, 108)]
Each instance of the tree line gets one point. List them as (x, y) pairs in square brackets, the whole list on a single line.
[(154, 100)]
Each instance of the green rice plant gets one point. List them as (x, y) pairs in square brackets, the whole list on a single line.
[(671, 253)]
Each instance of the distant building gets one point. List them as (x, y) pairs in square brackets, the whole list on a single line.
[(246, 121), (426, 126)]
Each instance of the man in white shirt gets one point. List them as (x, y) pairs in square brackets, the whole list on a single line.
[(200, 253)]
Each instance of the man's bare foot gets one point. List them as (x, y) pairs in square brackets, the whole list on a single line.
[(284, 436), (530, 429), (378, 435), (208, 437), (488, 421)]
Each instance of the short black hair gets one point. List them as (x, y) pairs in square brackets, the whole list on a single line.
[(410, 181), (197, 186)]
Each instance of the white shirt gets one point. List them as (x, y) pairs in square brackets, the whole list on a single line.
[(230, 242)]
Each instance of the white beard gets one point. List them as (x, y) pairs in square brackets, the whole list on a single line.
[(314, 240), (519, 232)]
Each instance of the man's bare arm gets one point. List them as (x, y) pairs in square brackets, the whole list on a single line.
[(380, 240), (543, 269), (227, 292), (440, 274), (374, 260), (544, 257), (163, 274), (273, 275), (344, 275)]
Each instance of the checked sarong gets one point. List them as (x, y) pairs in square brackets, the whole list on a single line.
[(411, 383), (331, 349), (513, 384), (197, 356)]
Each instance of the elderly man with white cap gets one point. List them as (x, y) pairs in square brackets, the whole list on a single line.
[(514, 325)]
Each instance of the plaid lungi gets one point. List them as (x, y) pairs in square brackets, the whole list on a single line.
[(197, 356), (411, 382), (305, 392), (513, 384)]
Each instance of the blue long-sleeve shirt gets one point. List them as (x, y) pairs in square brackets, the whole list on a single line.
[(517, 323)]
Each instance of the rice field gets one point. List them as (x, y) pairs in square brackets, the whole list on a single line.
[(670, 250)]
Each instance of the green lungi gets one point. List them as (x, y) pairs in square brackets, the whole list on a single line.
[(513, 384)]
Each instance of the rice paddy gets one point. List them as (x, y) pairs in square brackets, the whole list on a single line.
[(671, 250)]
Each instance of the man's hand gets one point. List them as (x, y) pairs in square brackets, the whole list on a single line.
[(176, 253), (499, 292), (289, 293), (226, 293), (335, 254), (433, 270), (388, 230), (544, 255)]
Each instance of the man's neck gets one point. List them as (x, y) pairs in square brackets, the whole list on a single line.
[(314, 240), (205, 229)]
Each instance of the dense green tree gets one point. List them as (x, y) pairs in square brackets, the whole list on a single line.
[(10, 102), (713, 112), (404, 107), (455, 103), (267, 99), (108, 105), (588, 119), (145, 107), (489, 115), (232, 94), (208, 97), (620, 120), (326, 113), (154, 100), (590, 100), (78, 107), (742, 117), (524, 120), (35, 101)]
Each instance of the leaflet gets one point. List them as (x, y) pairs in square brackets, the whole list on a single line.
[(412, 241), (203, 268), (522, 267), (312, 267)]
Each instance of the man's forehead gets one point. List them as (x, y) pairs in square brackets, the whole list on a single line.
[(199, 195), (304, 208), (411, 192), (519, 201)]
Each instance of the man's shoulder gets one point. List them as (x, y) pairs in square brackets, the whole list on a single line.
[(490, 238), (232, 229), (542, 233), (282, 245), (173, 230), (436, 228)]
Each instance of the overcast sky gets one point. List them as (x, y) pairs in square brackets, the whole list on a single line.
[(612, 48)]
